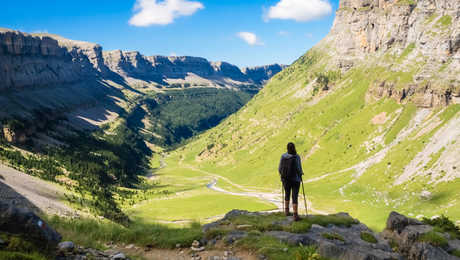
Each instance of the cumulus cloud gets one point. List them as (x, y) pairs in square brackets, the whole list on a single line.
[(153, 12), (299, 10), (250, 38)]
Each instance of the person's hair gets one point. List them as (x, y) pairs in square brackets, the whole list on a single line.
[(291, 149)]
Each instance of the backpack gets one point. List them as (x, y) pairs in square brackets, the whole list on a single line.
[(289, 168)]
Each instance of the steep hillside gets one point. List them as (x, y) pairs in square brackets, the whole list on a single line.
[(373, 110)]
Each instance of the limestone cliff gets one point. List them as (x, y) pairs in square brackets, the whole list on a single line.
[(45, 59), (419, 38)]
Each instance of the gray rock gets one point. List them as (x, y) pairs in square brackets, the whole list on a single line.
[(119, 256), (425, 251), (66, 247), (454, 245), (233, 236), (397, 222), (28, 225)]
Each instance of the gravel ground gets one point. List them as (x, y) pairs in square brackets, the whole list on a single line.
[(30, 192)]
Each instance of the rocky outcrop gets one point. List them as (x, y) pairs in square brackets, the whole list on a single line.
[(363, 27), (262, 74), (423, 95), (12, 136), (25, 223), (400, 239), (417, 42), (406, 233), (43, 60)]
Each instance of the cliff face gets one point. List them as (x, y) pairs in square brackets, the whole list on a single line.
[(35, 60), (262, 74), (192, 70), (369, 26), (420, 39), (44, 59)]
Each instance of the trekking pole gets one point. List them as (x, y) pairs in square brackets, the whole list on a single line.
[(282, 196), (304, 199)]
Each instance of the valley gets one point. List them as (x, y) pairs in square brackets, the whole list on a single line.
[(164, 152)]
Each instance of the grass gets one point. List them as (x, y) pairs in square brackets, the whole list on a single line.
[(94, 233), (21, 249), (402, 121), (444, 21), (368, 237), (434, 238), (196, 205), (333, 236), (455, 253), (444, 224), (7, 255), (407, 51), (272, 221)]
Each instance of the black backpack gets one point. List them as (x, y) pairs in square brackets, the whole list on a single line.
[(289, 168)]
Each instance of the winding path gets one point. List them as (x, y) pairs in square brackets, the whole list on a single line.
[(268, 197)]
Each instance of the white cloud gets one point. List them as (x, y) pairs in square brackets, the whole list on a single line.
[(153, 12), (300, 10), (250, 38), (309, 35)]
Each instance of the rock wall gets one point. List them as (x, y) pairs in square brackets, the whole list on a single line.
[(420, 39), (367, 26), (36, 60), (44, 60), (262, 74)]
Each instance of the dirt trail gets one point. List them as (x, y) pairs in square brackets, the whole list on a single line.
[(27, 191), (269, 197)]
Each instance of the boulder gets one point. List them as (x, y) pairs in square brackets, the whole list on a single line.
[(66, 247), (25, 223), (233, 236), (397, 222), (425, 251), (119, 256)]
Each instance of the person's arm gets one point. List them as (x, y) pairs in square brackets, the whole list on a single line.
[(279, 165), (299, 166)]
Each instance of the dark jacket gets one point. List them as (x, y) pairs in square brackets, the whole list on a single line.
[(299, 166)]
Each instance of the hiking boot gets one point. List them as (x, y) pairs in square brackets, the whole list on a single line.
[(286, 208), (296, 215)]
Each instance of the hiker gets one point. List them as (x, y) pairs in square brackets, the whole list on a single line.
[(290, 170)]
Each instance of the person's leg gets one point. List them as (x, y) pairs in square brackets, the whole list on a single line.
[(287, 194), (295, 199)]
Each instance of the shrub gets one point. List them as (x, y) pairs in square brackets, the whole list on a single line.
[(333, 236), (444, 224), (307, 253), (434, 238), (368, 237)]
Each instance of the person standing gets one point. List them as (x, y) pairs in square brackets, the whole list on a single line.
[(290, 170)]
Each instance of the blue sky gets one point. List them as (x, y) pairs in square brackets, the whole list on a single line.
[(214, 29)]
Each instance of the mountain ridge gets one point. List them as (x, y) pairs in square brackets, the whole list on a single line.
[(129, 65)]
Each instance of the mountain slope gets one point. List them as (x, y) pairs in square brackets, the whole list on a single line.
[(373, 110)]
